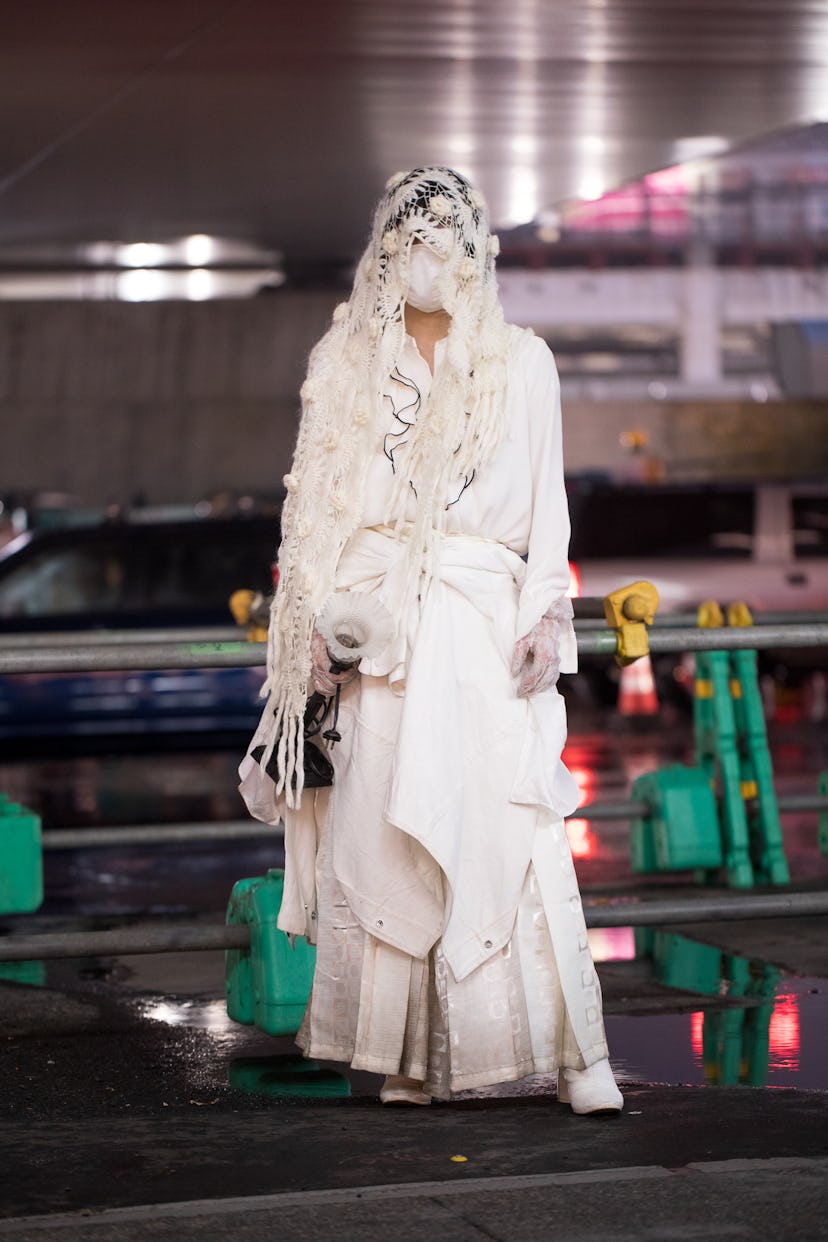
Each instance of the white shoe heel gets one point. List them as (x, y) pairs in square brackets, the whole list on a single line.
[(399, 1090), (591, 1090)]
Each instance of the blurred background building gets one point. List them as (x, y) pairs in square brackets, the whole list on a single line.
[(185, 184)]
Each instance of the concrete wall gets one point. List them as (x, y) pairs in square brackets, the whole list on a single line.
[(179, 400), (698, 439), (173, 400)]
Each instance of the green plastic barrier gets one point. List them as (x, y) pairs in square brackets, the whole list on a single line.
[(770, 866), (732, 748), (717, 754), (682, 830), (33, 974), (21, 859), (267, 985)]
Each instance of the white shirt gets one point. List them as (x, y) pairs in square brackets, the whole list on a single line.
[(518, 498)]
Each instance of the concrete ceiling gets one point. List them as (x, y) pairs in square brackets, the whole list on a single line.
[(277, 123)]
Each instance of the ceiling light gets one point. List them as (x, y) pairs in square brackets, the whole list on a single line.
[(199, 249), (141, 254), (200, 284), (522, 202), (141, 285), (524, 144), (591, 186)]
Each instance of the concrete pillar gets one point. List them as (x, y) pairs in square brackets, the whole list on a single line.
[(700, 324)]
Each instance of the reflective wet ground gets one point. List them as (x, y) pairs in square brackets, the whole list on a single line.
[(718, 1004)]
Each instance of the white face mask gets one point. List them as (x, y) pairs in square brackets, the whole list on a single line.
[(424, 271)]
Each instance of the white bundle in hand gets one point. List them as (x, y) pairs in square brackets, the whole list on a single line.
[(355, 627)]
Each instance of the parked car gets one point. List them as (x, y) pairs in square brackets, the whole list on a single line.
[(131, 575), (765, 543)]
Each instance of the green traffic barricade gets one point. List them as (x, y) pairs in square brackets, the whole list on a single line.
[(681, 831), (267, 985), (722, 812), (21, 859), (732, 747), (714, 727)]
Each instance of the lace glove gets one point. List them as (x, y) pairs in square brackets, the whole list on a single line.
[(325, 680), (536, 658)]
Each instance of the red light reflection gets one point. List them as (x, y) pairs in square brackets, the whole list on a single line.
[(612, 944), (696, 1031), (783, 1035), (582, 840)]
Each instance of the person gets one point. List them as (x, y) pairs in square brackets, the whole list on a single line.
[(434, 875)]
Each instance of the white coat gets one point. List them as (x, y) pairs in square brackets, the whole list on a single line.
[(457, 774)]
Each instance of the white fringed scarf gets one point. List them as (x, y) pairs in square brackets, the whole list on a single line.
[(342, 407)]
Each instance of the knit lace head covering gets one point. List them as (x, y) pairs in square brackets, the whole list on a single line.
[(340, 428)]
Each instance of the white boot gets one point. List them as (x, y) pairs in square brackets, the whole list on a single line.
[(399, 1090), (590, 1090)]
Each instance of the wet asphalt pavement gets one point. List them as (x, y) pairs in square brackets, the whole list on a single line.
[(133, 1107)]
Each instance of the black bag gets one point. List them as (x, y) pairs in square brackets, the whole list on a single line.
[(318, 767)]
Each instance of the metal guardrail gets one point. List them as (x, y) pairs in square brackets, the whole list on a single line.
[(158, 834), (89, 657), (251, 829), (591, 619), (135, 656), (731, 638), (187, 937), (123, 942), (121, 638), (597, 811), (706, 910)]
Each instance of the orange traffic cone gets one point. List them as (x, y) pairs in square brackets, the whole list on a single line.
[(637, 692)]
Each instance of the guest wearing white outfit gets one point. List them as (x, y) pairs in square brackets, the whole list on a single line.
[(434, 875)]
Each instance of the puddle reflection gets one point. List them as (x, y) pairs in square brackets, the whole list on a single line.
[(202, 1015), (281, 1077), (765, 1028), (761, 1027), (784, 1035)]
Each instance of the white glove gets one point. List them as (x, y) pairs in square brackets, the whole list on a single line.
[(324, 679), (536, 658)]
